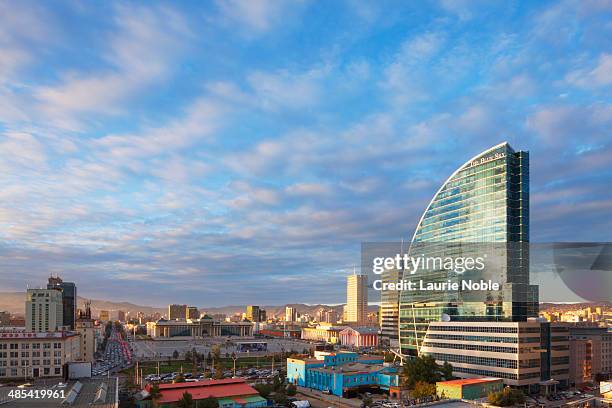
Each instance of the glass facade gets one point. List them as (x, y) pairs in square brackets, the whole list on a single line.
[(483, 204)]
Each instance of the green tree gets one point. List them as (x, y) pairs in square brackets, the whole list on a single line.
[(507, 397), (280, 398), (263, 389), (422, 368), (423, 389), (210, 402), (291, 390), (367, 401), (175, 354), (447, 371), (179, 379), (186, 401)]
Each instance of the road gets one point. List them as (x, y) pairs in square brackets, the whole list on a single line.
[(117, 355)]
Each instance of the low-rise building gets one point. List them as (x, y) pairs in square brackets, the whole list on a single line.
[(326, 333), (204, 327), (342, 373), (230, 393), (359, 337), (469, 388), (590, 354), (26, 354)]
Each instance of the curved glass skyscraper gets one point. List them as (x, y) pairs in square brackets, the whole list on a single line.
[(484, 203)]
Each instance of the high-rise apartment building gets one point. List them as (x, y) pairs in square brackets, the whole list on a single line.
[(177, 312), (357, 299), (44, 310), (192, 313), (69, 299), (5, 318), (290, 314), (590, 354), (252, 313), (484, 202)]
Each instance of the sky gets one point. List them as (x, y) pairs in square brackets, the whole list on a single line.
[(239, 151)]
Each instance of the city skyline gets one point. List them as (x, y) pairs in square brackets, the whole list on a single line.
[(229, 165)]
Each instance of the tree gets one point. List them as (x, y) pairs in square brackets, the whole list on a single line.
[(263, 389), (179, 379), (291, 390), (366, 401), (423, 389), (422, 368), (506, 397), (280, 398), (210, 402), (175, 354), (447, 371), (186, 401)]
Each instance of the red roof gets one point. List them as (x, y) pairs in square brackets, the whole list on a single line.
[(229, 387), (469, 381)]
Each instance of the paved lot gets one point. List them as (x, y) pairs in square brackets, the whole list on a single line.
[(84, 399)]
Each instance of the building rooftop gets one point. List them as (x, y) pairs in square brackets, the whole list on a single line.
[(226, 388), (469, 381)]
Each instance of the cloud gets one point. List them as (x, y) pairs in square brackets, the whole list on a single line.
[(258, 16), (599, 76), (141, 51)]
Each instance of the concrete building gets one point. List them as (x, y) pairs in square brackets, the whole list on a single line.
[(523, 354), (192, 313), (104, 316), (291, 314), (359, 337), (325, 333), (357, 299), (469, 389), (204, 327), (25, 354), (121, 315), (252, 313), (88, 333), (69, 299), (177, 311), (5, 319), (343, 373), (44, 310), (590, 354)]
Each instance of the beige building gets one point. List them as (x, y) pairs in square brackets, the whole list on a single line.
[(88, 334), (177, 312), (44, 310), (517, 352), (357, 299), (26, 354), (192, 313), (590, 354), (325, 333), (205, 327), (290, 314), (104, 316)]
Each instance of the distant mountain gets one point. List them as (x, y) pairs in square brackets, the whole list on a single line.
[(14, 302)]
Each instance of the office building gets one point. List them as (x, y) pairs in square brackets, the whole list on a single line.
[(104, 316), (252, 313), (343, 373), (69, 299), (291, 314), (192, 313), (177, 312), (484, 202), (389, 310), (5, 319), (121, 315), (357, 299), (44, 310), (590, 354), (525, 355), (26, 354)]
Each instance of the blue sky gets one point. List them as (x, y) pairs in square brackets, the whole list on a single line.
[(236, 152)]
